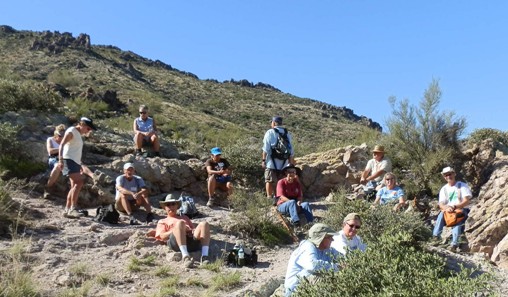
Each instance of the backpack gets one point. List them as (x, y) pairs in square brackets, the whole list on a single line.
[(188, 207), (282, 149), (108, 214)]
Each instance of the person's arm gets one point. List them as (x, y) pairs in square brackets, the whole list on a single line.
[(300, 197), (162, 231), (120, 188), (311, 261), (210, 171), (365, 173), (67, 137), (51, 150), (279, 191), (135, 127)]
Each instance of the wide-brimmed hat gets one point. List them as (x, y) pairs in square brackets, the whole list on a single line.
[(318, 232), (291, 166), (352, 217), (88, 122), (378, 149), (447, 170), (170, 198)]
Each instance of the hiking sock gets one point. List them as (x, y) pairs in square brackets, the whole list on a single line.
[(204, 250), (185, 252)]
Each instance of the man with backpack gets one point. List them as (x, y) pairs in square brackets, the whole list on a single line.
[(278, 152), (131, 193)]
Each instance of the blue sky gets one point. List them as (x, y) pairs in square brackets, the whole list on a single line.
[(348, 53)]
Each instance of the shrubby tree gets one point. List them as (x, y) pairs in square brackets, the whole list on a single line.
[(422, 139)]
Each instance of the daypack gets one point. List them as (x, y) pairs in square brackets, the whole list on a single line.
[(108, 214), (282, 149), (454, 218), (188, 207)]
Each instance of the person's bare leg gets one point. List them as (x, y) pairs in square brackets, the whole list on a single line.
[(180, 233), (156, 143), (211, 186), (53, 177), (202, 232), (139, 141), (269, 190), (76, 185), (146, 203)]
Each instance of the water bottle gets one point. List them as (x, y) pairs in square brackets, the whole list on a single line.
[(241, 257), (254, 257)]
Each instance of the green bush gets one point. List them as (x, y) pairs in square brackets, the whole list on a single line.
[(254, 219), (244, 155), (479, 135), (16, 96), (393, 267), (64, 77), (83, 107)]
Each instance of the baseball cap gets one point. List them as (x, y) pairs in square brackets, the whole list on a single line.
[(128, 165), (277, 119), (318, 232), (216, 151), (88, 122), (447, 170)]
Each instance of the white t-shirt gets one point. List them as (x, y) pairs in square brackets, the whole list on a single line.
[(453, 195), (343, 245), (74, 148)]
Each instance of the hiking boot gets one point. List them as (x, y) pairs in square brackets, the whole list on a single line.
[(149, 218), (74, 214), (139, 153), (188, 262), (65, 213), (157, 154), (204, 260)]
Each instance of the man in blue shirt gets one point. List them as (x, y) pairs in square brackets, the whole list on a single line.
[(274, 166), (311, 256), (145, 131)]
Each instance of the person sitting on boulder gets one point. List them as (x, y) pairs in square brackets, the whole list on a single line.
[(145, 132), (131, 193), (180, 234), (290, 197), (311, 256), (347, 240), (219, 175), (391, 193), (454, 195), (376, 168), (52, 146)]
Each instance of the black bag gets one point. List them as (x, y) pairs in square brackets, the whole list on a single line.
[(108, 214), (250, 258), (282, 149)]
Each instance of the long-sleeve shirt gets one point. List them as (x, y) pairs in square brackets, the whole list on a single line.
[(343, 245), (304, 261)]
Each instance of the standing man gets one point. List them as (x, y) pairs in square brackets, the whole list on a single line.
[(453, 196), (311, 256), (180, 234), (145, 132), (219, 175), (376, 168), (131, 193), (69, 162), (273, 159)]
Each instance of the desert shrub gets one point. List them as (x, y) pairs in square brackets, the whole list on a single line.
[(16, 96), (377, 221), (244, 156), (79, 107), (253, 218), (479, 135), (393, 267), (422, 139), (63, 77), (15, 279)]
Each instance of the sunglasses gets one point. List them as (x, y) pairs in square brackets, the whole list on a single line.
[(142, 112), (172, 203), (448, 174), (353, 226)]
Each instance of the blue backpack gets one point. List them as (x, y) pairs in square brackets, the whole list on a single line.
[(188, 207)]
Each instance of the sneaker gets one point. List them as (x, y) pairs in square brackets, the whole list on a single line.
[(65, 213), (188, 262), (149, 218), (204, 260), (211, 202), (132, 221), (74, 214)]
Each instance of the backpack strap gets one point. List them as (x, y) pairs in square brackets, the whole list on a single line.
[(285, 135)]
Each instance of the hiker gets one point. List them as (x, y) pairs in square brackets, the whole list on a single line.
[(311, 256), (69, 162), (454, 195), (180, 234), (290, 197), (131, 193), (145, 132), (376, 168), (391, 193), (219, 175), (273, 166), (347, 240), (52, 146)]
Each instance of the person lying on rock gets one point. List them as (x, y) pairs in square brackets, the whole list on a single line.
[(180, 234), (347, 240), (131, 193), (454, 195), (391, 193), (219, 175), (290, 197), (311, 256)]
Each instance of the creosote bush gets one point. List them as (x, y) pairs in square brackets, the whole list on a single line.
[(16, 96)]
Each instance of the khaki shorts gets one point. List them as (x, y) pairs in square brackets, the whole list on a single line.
[(273, 176)]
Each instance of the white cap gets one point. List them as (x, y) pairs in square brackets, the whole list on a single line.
[(127, 166)]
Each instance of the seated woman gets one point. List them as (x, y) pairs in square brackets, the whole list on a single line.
[(52, 146), (290, 197), (391, 193)]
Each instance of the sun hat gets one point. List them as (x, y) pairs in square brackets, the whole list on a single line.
[(216, 151), (378, 149), (128, 165), (277, 119), (318, 232), (447, 170), (352, 217), (291, 166), (88, 122), (170, 198)]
